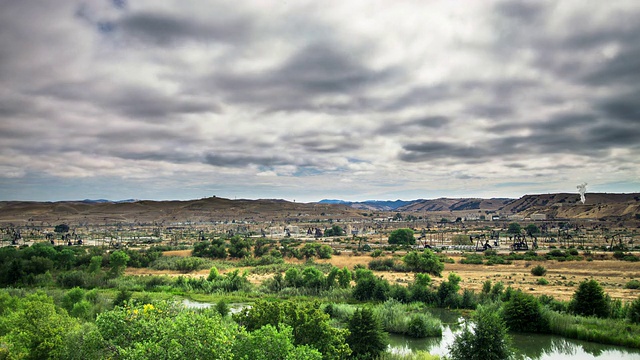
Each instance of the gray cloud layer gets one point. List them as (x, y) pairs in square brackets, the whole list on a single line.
[(359, 100)]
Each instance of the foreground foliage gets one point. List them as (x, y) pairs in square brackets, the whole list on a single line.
[(487, 340)]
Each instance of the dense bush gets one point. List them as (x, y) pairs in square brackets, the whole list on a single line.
[(369, 287), (487, 341), (538, 270), (269, 342), (523, 313), (475, 259), (383, 264), (589, 300), (214, 249), (366, 338), (447, 295), (310, 325), (634, 311), (632, 284), (425, 261), (402, 237), (396, 318)]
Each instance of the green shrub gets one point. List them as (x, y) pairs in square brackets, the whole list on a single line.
[(634, 312), (188, 264), (382, 264), (488, 341), (475, 259), (366, 338), (589, 300), (418, 326), (402, 237), (425, 261), (523, 313), (632, 284), (538, 270), (542, 281), (72, 297)]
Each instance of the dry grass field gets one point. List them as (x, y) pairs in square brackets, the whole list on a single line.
[(563, 277)]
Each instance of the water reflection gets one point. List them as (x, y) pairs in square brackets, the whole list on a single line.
[(527, 346)]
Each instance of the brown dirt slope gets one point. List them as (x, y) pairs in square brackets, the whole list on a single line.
[(563, 205), (446, 204), (151, 212)]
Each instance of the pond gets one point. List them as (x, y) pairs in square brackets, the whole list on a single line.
[(527, 346)]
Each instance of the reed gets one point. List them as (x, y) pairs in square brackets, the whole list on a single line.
[(604, 331)]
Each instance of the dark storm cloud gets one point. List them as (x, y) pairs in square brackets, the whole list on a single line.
[(625, 107), (434, 150), (623, 69), (579, 134), (522, 11), (331, 145), (232, 160), (132, 101), (315, 70), (171, 29), (419, 95), (412, 126)]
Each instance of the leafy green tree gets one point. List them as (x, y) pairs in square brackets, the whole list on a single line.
[(344, 278), (523, 313), (240, 247), (419, 290), (366, 338), (487, 341), (72, 297), (66, 259), (61, 228), (332, 276), (269, 343), (461, 239), (215, 249), (313, 278), (310, 325), (369, 287), (118, 262), (35, 329), (222, 308), (335, 230), (532, 229), (402, 237), (84, 342), (426, 262), (324, 252), (214, 274), (293, 278), (95, 264), (590, 300), (514, 228), (634, 311), (262, 247), (448, 292), (165, 331)]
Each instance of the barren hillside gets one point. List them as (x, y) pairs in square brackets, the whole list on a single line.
[(152, 212)]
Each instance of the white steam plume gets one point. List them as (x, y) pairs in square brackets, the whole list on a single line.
[(582, 189)]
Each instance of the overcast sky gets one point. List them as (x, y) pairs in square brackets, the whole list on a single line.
[(308, 100)]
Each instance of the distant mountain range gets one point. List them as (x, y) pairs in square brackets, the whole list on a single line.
[(105, 201), (442, 204), (381, 205), (618, 207)]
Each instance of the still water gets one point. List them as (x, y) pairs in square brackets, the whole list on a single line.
[(527, 346)]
